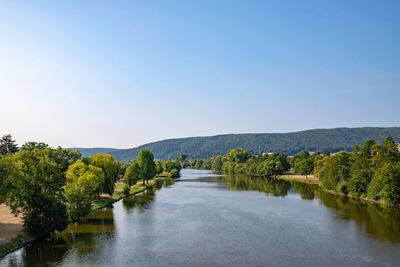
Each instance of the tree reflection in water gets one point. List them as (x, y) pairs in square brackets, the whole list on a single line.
[(276, 188), (381, 222), (139, 202)]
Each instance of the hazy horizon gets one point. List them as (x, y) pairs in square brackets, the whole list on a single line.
[(222, 134), (124, 73)]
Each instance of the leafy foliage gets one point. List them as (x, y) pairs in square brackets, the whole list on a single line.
[(240, 161), (132, 174), (370, 171), (37, 180), (110, 168), (7, 145), (303, 163), (84, 183), (147, 166)]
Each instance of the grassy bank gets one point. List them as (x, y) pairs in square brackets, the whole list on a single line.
[(314, 180)]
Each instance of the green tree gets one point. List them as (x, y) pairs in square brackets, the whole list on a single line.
[(391, 151), (83, 185), (386, 183), (159, 168), (336, 169), (66, 157), (169, 165), (238, 155), (7, 166), (180, 159), (7, 145), (362, 171), (216, 163), (305, 166), (303, 163), (132, 174), (34, 146), (37, 191), (145, 160), (110, 168)]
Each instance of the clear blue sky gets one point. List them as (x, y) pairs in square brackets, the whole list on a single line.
[(123, 73)]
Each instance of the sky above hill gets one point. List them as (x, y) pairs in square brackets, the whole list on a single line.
[(123, 73)]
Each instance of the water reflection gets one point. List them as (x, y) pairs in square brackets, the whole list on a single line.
[(214, 222), (168, 182), (276, 188), (140, 202), (382, 223), (307, 191), (79, 238)]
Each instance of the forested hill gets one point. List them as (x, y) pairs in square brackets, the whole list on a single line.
[(323, 140), (87, 152)]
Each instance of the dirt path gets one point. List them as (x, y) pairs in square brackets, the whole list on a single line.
[(10, 226)]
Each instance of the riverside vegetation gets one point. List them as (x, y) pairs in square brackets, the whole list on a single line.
[(371, 171), (52, 187)]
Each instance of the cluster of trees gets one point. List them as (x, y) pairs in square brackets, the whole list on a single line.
[(371, 171), (144, 167), (240, 161), (32, 182), (52, 187)]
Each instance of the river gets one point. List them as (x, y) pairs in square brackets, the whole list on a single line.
[(210, 220)]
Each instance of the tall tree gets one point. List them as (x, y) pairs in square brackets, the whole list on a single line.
[(37, 191), (336, 170), (83, 185), (7, 166), (361, 171), (7, 145), (110, 167), (159, 168), (146, 164), (132, 174)]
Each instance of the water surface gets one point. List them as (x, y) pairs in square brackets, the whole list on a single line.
[(209, 220)]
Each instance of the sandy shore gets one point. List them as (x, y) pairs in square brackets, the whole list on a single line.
[(301, 178), (10, 226)]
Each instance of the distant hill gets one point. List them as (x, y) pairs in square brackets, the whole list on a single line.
[(87, 152), (323, 140)]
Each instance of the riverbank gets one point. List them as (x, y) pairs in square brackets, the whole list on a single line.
[(107, 201), (309, 179), (13, 236)]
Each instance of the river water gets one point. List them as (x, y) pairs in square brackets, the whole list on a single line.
[(210, 220)]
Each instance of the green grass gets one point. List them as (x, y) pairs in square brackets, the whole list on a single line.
[(119, 186), (15, 243)]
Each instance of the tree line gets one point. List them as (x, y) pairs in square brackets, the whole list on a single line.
[(370, 171), (52, 187)]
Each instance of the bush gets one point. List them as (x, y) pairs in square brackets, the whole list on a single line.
[(342, 187), (126, 190), (174, 174)]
